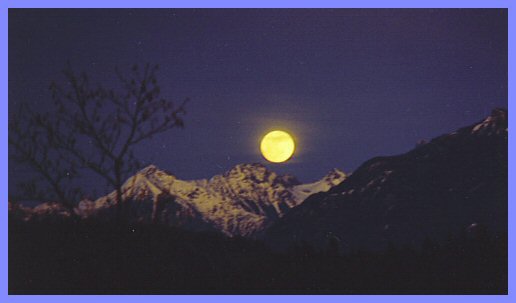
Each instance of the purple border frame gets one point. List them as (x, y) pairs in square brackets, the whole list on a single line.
[(4, 5)]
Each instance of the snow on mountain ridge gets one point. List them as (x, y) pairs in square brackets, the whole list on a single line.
[(241, 201), (494, 124), (332, 178)]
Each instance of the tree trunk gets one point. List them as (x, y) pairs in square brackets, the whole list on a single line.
[(119, 205), (120, 213)]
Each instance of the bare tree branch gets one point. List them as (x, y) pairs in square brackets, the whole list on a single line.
[(96, 128), (35, 147)]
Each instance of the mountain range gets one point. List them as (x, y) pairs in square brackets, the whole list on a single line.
[(240, 202), (454, 183)]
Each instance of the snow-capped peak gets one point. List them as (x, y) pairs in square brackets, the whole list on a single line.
[(332, 178), (153, 171), (494, 124), (257, 172), (335, 176), (241, 201), (150, 169)]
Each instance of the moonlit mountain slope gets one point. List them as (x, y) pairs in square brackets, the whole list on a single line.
[(454, 183), (242, 201)]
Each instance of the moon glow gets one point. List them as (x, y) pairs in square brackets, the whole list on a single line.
[(277, 146)]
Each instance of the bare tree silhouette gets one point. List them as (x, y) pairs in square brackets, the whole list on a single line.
[(35, 147), (95, 128)]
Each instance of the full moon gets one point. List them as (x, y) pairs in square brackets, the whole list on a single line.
[(277, 146)]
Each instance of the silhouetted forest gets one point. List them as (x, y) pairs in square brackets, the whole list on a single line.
[(92, 257)]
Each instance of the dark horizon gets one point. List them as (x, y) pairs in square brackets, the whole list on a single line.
[(349, 84)]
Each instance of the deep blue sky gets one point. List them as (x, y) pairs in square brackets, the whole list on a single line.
[(349, 84)]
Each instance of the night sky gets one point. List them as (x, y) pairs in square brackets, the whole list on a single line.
[(348, 84)]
